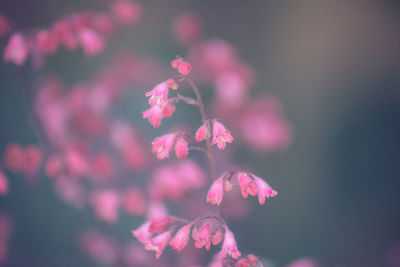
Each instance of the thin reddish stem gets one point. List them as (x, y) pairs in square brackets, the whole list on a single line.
[(204, 118)]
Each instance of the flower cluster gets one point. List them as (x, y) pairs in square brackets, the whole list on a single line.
[(158, 233), (88, 30), (249, 185)]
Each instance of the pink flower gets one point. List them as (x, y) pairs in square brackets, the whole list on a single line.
[(264, 190), (126, 12), (4, 25), (184, 68), (216, 191), (155, 115), (142, 233), (3, 184), (158, 96), (105, 204), (202, 133), (247, 185), (16, 50), (181, 148), (221, 135), (229, 246), (181, 238), (176, 62), (47, 41), (217, 237), (92, 43), (162, 145), (203, 237), (168, 109), (133, 202), (187, 28), (159, 242), (253, 260), (159, 225), (243, 263)]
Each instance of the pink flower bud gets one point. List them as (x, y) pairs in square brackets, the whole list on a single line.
[(46, 41), (264, 190), (181, 148), (159, 242), (203, 237), (16, 50), (184, 68), (216, 191), (243, 263), (168, 109), (221, 135), (176, 62), (247, 185), (181, 238), (229, 246)]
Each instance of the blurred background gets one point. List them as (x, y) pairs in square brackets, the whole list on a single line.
[(335, 67)]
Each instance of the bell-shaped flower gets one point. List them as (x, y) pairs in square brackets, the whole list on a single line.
[(181, 238), (159, 242), (221, 135), (229, 246), (264, 190), (247, 185)]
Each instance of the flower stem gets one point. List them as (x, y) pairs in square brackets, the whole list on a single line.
[(210, 158)]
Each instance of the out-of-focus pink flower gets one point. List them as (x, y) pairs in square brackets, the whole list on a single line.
[(92, 43), (264, 190), (32, 159), (102, 165), (46, 41), (303, 263), (64, 32), (162, 145), (203, 237), (203, 133), (133, 202), (181, 237), (3, 184), (181, 148), (229, 246), (76, 161), (126, 12), (105, 204), (263, 127), (221, 135), (216, 191), (159, 242), (4, 25), (187, 28), (142, 233), (156, 209), (14, 157), (70, 190), (253, 260), (103, 24), (54, 165), (247, 185), (100, 247), (159, 94), (16, 50), (155, 115), (173, 181), (230, 89)]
